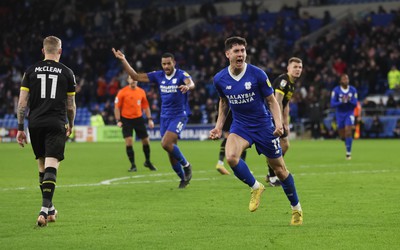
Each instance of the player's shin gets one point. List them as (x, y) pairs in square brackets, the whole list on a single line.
[(177, 167), (290, 190), (177, 154), (242, 172), (348, 143), (48, 187)]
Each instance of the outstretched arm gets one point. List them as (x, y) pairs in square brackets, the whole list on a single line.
[(140, 77), (189, 85)]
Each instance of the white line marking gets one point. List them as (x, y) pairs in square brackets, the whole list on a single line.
[(117, 181), (336, 165)]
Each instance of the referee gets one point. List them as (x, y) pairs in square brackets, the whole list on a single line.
[(129, 103)]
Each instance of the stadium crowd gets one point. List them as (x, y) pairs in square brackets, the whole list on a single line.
[(365, 51)]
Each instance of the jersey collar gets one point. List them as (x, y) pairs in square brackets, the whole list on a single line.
[(170, 76), (238, 77), (345, 90)]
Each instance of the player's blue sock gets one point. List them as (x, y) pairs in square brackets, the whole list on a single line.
[(179, 170), (348, 142), (177, 154), (290, 190), (242, 172)]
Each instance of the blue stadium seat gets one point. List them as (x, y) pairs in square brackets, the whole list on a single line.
[(389, 123), (382, 19)]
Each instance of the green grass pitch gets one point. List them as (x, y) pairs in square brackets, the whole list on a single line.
[(347, 204)]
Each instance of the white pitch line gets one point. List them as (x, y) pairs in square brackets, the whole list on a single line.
[(116, 181), (335, 165)]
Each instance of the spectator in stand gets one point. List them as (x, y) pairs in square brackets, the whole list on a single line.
[(96, 120), (391, 102), (340, 66), (376, 128), (101, 89), (113, 88), (315, 116), (196, 117), (108, 113), (393, 79)]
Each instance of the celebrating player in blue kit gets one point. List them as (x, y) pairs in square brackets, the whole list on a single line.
[(344, 99), (174, 85), (244, 88)]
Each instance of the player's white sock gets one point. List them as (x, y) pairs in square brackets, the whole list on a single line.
[(297, 207), (256, 185), (220, 163), (273, 178)]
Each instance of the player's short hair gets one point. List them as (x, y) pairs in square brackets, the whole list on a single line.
[(51, 44), (234, 40), (294, 59), (168, 55)]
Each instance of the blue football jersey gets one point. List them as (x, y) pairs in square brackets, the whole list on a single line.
[(344, 100), (246, 93), (173, 101)]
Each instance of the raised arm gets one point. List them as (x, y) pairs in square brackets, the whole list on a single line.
[(140, 77)]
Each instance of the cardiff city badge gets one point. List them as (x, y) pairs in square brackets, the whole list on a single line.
[(247, 85)]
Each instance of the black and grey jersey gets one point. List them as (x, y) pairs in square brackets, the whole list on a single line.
[(283, 85), (48, 83)]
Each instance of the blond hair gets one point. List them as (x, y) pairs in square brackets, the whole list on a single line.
[(51, 45), (295, 59)]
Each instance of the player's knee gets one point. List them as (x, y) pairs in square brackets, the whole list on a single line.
[(281, 172), (167, 146), (279, 168), (232, 160)]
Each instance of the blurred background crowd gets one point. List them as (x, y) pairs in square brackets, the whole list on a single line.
[(364, 45)]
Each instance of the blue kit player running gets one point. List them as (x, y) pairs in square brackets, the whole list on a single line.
[(244, 88), (344, 99), (174, 85)]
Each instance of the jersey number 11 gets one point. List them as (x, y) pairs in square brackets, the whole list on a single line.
[(54, 79)]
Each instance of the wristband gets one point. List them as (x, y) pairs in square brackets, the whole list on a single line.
[(150, 119), (21, 127), (117, 121)]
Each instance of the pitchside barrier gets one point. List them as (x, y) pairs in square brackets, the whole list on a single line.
[(114, 133)]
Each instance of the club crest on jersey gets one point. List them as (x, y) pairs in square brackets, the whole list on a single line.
[(247, 85), (174, 81), (283, 83)]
